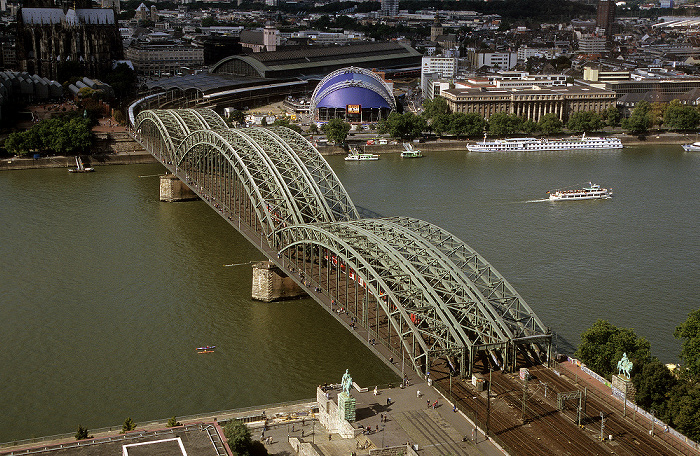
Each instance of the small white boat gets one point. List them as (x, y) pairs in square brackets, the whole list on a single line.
[(356, 155), (593, 191), (410, 151), (695, 147), (80, 168)]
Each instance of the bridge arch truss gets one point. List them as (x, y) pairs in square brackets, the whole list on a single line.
[(416, 288)]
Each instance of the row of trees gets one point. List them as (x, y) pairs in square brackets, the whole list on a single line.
[(437, 117), (674, 396), (67, 134)]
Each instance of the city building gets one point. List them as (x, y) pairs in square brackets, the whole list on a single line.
[(502, 60), (49, 36), (352, 94), (525, 52), (530, 103), (593, 73), (164, 59), (390, 8), (433, 68), (591, 44), (605, 18), (523, 80), (267, 39)]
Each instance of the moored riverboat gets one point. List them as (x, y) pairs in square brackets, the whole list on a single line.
[(543, 144), (694, 147), (410, 151), (356, 155), (80, 167)]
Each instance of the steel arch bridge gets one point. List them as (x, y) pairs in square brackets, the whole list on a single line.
[(412, 286)]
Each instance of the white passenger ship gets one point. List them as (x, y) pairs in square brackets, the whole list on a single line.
[(535, 144), (593, 191)]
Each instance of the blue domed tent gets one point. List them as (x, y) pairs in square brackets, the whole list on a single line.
[(353, 94)]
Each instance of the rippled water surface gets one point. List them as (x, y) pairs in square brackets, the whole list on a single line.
[(105, 291)]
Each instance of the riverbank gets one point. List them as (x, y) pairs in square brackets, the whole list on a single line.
[(441, 144), (132, 158), (141, 157)]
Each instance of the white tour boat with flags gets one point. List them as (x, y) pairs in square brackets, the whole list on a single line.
[(593, 191), (543, 144)]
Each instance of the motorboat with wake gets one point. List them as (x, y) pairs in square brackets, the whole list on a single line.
[(593, 191)]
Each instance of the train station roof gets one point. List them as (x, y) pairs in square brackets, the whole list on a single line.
[(318, 61), (205, 83)]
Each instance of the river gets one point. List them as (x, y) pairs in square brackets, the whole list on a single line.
[(106, 292)]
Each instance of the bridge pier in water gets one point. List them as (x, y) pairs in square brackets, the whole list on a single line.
[(271, 284), (172, 189)]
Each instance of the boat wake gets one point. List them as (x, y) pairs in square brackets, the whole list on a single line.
[(538, 200)]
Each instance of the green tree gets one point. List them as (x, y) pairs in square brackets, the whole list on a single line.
[(654, 383), (501, 124), (284, 122), (15, 143), (529, 126), (681, 117), (128, 425), (685, 410), (585, 121), (240, 441), (123, 81), (336, 130), (603, 344), (405, 126), (689, 330), (640, 120), (612, 116), (469, 124), (550, 124), (173, 422), (238, 117), (435, 107), (440, 123), (82, 433), (657, 112)]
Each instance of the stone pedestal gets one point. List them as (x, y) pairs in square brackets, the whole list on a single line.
[(271, 284), (346, 407), (625, 386), (172, 189), (330, 416)]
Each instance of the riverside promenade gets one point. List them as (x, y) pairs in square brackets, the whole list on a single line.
[(407, 420)]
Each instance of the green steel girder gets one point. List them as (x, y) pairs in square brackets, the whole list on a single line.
[(264, 186), (461, 302), (501, 297), (337, 199), (382, 262), (311, 206), (379, 283)]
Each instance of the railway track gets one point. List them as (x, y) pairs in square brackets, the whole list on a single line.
[(629, 437), (545, 430)]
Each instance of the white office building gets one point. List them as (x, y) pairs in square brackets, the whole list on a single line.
[(434, 68), (502, 60)]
